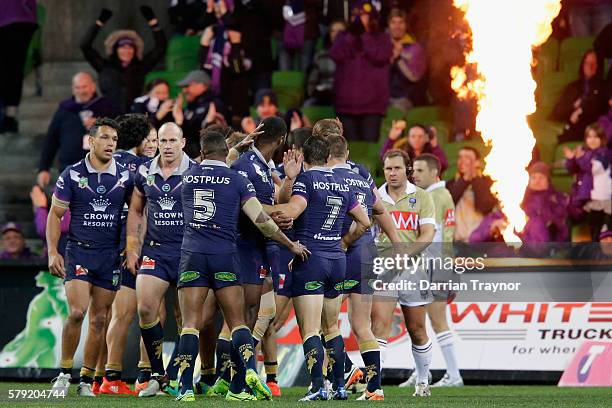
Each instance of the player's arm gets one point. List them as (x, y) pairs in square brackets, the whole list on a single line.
[(54, 220), (135, 230), (384, 220), (359, 226), (427, 226), (292, 209)]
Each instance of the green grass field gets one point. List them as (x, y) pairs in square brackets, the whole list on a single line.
[(470, 396)]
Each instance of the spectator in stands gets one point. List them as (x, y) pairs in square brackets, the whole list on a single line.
[(362, 54), (295, 119), (156, 103), (603, 47), (300, 33), (222, 56), (17, 25), (40, 205), (14, 243), (471, 192), (320, 84), (420, 140), (68, 129), (188, 17), (122, 72), (605, 121), (408, 84), (588, 17), (582, 101), (202, 108), (266, 104), (592, 191)]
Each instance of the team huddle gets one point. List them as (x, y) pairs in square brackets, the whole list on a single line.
[(236, 234)]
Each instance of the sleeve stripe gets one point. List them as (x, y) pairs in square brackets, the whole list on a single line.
[(59, 202), (423, 221)]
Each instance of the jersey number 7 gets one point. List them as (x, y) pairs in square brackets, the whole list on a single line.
[(335, 203)]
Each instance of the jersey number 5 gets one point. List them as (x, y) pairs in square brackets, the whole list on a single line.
[(204, 205), (335, 203)]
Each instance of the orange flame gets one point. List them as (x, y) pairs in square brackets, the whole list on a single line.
[(503, 34)]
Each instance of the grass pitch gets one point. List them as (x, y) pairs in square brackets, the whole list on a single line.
[(468, 397)]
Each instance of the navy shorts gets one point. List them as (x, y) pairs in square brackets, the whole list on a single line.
[(127, 279), (253, 261), (278, 260), (318, 276), (215, 271), (100, 267), (359, 269), (164, 267)]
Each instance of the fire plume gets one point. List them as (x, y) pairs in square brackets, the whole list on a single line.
[(502, 36)]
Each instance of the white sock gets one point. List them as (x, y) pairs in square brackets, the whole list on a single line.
[(382, 345), (422, 360), (446, 341)]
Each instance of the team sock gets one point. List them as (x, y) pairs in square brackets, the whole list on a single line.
[(370, 353), (242, 341), (335, 355), (382, 346), (112, 372), (207, 376), (238, 380), (348, 363), (223, 363), (87, 375), (314, 355), (153, 339), (446, 341), (187, 354), (99, 377), (171, 368), (271, 370), (66, 366), (144, 372), (422, 360)]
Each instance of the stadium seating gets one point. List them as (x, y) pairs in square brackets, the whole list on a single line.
[(314, 113), (571, 51), (183, 53), (171, 76), (367, 154), (392, 114), (547, 59), (289, 87)]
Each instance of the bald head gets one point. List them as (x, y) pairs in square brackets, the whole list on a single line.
[(83, 87), (170, 129), (171, 143)]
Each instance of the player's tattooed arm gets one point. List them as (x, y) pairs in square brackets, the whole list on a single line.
[(134, 231), (292, 209), (384, 220), (56, 261), (359, 226)]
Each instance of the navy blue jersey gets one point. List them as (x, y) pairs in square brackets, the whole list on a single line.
[(363, 193), (363, 172), (131, 162), (212, 196), (164, 205), (319, 227), (95, 201)]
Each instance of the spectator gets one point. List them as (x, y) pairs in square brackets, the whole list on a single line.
[(603, 47), (471, 192), (408, 84), (156, 103), (201, 109), (188, 17), (592, 191), (222, 56), (266, 106), (68, 129), (361, 82), (300, 34), (605, 121), (588, 17), (320, 84), (14, 243), (420, 140), (335, 10), (122, 72), (17, 25), (582, 101), (40, 205), (295, 119)]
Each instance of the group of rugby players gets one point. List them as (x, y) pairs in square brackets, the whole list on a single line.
[(262, 237)]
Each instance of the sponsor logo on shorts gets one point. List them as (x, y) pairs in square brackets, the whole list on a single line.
[(263, 272), (339, 286), (350, 284), (225, 276), (116, 277), (81, 271), (281, 280), (189, 276), (147, 263), (313, 285)]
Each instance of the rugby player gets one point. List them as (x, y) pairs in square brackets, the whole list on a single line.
[(427, 176), (213, 196), (413, 211), (318, 203), (94, 190), (157, 188)]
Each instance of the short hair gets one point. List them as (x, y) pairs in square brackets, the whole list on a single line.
[(431, 160), (154, 82), (213, 143), (338, 147), (400, 153), (599, 132), (316, 150), (327, 127), (133, 129), (274, 128), (297, 137), (235, 138), (396, 12), (216, 127), (473, 150), (103, 122)]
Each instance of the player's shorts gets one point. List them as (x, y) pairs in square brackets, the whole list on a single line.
[(318, 276), (215, 271), (164, 267), (253, 261), (127, 279), (404, 295), (100, 267), (359, 269), (278, 261)]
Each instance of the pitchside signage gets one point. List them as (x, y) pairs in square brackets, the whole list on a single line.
[(590, 367)]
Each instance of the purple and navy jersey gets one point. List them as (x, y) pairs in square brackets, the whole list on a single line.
[(363, 193), (212, 196), (164, 204), (363, 172), (95, 201), (329, 198), (131, 162)]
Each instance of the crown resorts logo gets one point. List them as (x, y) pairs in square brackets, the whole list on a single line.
[(166, 203), (99, 204)]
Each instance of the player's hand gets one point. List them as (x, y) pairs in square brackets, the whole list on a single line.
[(282, 220), (56, 265), (292, 163), (300, 250), (132, 260), (250, 139), (43, 178)]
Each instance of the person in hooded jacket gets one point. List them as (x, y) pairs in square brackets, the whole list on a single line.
[(122, 72)]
